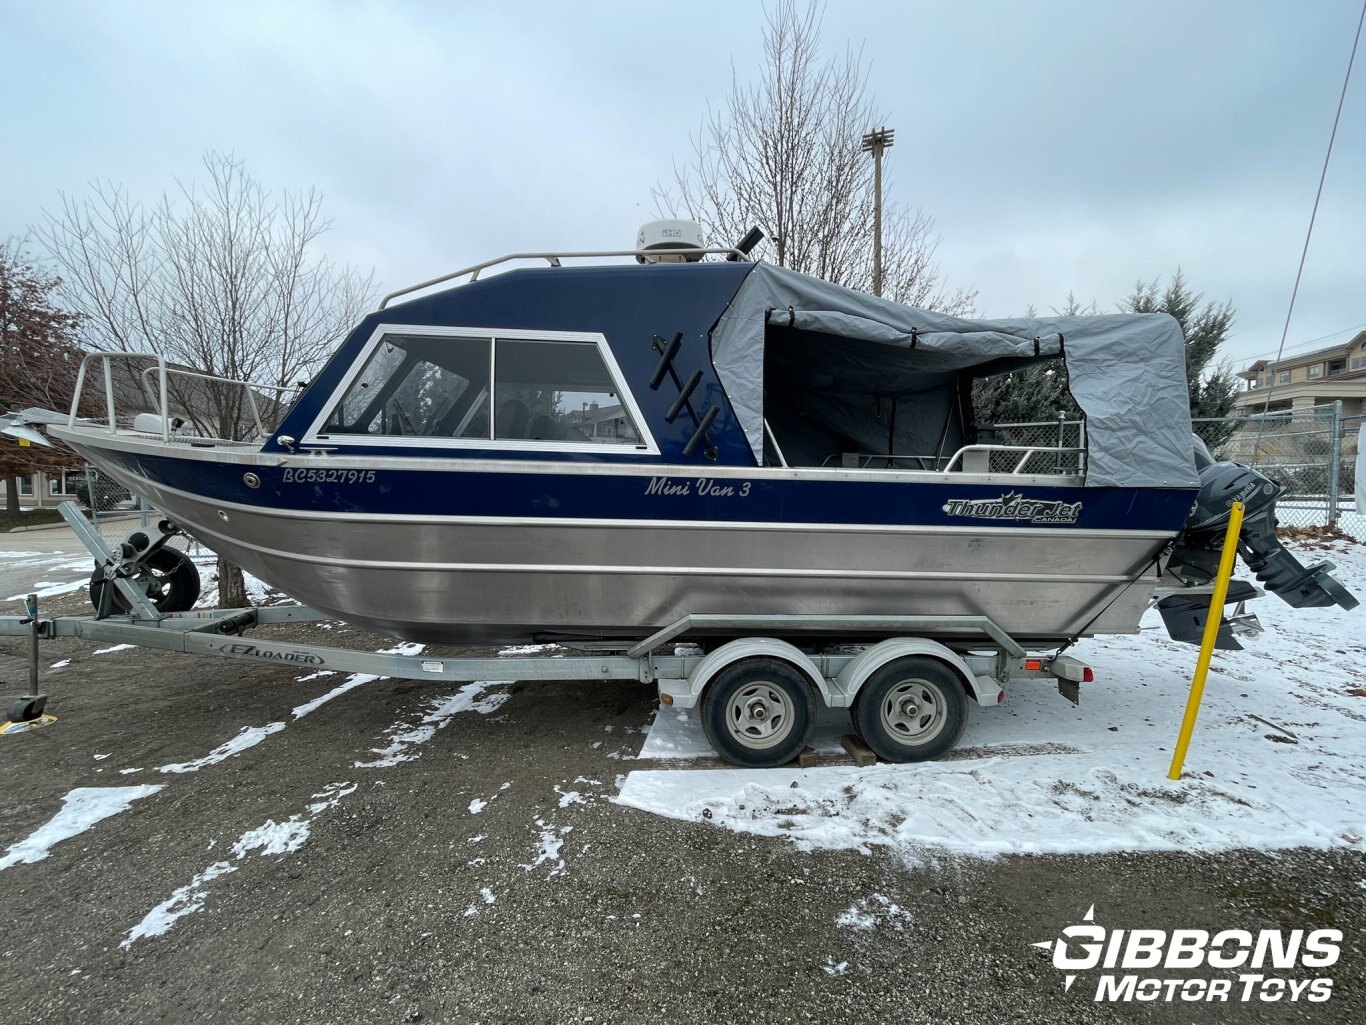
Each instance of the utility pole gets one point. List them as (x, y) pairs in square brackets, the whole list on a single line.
[(875, 143)]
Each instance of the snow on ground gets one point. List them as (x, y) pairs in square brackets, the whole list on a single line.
[(53, 567), (281, 839), (81, 809), (403, 737), (551, 841), (258, 592), (269, 838), (1038, 774), (247, 737)]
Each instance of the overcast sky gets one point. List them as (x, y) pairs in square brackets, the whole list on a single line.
[(1060, 146)]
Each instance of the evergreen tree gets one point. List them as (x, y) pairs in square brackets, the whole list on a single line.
[(1032, 394)]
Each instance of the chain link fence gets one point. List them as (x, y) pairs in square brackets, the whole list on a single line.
[(116, 513), (1312, 452), (1057, 446)]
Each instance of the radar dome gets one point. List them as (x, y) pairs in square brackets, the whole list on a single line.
[(657, 238)]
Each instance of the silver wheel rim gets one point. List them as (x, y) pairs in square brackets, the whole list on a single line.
[(913, 712), (760, 715)]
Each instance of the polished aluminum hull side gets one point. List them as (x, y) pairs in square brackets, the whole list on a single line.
[(469, 579)]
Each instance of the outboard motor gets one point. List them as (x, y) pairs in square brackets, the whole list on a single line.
[(1196, 556)]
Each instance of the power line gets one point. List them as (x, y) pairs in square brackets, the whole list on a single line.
[(1304, 253)]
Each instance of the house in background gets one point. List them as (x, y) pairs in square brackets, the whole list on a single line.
[(599, 422), (48, 490), (1313, 379)]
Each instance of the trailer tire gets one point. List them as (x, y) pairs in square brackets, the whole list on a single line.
[(174, 585), (758, 712), (913, 709)]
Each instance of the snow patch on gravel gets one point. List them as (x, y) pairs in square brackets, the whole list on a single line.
[(551, 842), (81, 809), (403, 736), (269, 838), (249, 737)]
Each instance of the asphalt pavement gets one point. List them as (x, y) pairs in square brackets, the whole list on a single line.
[(39, 558)]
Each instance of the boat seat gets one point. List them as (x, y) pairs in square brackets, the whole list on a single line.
[(541, 428), (512, 418)]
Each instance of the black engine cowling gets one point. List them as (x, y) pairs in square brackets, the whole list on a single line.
[(1196, 556)]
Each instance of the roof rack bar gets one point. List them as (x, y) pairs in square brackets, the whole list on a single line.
[(554, 260)]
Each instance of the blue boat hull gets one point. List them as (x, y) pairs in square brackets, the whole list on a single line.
[(478, 550)]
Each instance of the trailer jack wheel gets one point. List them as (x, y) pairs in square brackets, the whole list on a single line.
[(758, 712), (27, 709)]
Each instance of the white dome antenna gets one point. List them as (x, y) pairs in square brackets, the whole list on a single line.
[(657, 238)]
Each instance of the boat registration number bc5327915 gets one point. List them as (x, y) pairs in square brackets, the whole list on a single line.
[(303, 475), (705, 487)]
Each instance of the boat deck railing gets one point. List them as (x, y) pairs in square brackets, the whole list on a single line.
[(191, 406), (1024, 449), (555, 260)]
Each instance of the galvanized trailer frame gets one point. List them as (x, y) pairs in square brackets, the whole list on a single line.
[(986, 657)]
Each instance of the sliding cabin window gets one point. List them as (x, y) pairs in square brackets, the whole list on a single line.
[(522, 390), (557, 391)]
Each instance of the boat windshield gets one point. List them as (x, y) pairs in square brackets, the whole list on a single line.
[(500, 389)]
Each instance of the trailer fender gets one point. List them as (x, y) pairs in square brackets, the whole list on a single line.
[(984, 690), (687, 693)]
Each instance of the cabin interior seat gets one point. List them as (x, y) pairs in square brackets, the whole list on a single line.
[(512, 419)]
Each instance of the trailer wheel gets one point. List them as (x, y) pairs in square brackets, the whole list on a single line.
[(758, 712), (913, 709), (172, 582)]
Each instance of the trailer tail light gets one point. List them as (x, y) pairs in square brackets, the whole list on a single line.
[(1087, 676)]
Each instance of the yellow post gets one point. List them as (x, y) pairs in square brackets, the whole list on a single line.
[(1212, 622)]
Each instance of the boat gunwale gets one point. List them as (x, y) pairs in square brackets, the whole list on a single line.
[(207, 450)]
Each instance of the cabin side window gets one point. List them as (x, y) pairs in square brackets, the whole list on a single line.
[(520, 390), (420, 385), (557, 391)]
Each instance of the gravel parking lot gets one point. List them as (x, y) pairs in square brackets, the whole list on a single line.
[(405, 853)]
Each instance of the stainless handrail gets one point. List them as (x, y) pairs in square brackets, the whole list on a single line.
[(554, 260), (107, 358), (160, 396), (249, 387), (1028, 450)]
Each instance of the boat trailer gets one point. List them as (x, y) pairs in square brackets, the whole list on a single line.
[(758, 693)]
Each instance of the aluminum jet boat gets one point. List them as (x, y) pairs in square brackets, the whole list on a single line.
[(595, 451)]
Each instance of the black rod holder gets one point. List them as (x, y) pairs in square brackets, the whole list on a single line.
[(708, 419), (666, 359), (683, 395)]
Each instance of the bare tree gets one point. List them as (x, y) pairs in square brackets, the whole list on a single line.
[(784, 154), (39, 359), (221, 278)]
